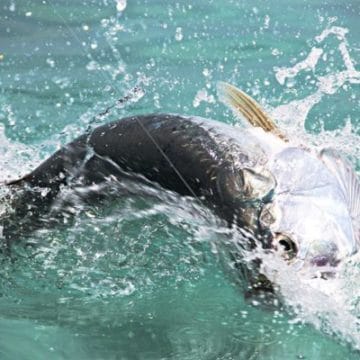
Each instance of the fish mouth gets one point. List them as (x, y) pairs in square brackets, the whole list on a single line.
[(324, 266), (319, 267), (324, 260)]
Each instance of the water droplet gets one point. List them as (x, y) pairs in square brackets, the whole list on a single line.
[(206, 72), (92, 65), (178, 34), (266, 21), (121, 5), (104, 22), (50, 62), (202, 95)]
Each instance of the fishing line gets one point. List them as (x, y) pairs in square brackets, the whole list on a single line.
[(123, 100)]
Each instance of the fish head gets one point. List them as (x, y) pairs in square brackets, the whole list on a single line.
[(309, 234), (314, 212), (309, 217)]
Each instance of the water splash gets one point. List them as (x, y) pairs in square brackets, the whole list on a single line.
[(332, 305), (293, 114), (326, 304), (16, 159), (124, 89), (91, 264)]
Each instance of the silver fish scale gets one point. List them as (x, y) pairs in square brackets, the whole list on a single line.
[(310, 205)]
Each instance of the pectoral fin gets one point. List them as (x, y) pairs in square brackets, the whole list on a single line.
[(246, 106), (349, 183)]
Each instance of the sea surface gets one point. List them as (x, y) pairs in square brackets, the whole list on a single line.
[(146, 278)]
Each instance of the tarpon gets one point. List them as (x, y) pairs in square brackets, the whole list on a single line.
[(303, 204)]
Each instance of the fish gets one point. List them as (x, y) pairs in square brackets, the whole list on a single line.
[(314, 213), (300, 203)]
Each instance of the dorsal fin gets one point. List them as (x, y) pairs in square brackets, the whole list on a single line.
[(246, 106), (349, 183)]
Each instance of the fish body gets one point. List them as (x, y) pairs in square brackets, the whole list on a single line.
[(215, 163), (302, 203)]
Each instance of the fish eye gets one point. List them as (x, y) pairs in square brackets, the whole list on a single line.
[(286, 246)]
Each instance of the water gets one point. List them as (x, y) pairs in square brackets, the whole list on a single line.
[(144, 278)]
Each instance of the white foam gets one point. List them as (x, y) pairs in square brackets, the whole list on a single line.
[(309, 63), (330, 305), (16, 159), (293, 114)]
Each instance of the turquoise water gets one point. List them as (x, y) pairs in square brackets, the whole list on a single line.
[(140, 280)]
